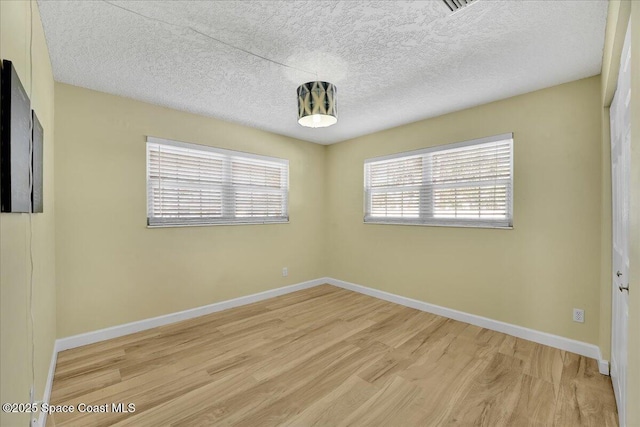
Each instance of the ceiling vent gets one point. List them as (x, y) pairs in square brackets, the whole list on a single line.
[(456, 5)]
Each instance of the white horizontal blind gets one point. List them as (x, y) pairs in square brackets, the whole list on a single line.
[(462, 184), (189, 184)]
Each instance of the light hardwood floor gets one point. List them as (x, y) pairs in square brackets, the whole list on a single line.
[(330, 357)]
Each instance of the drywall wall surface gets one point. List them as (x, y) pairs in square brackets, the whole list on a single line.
[(604, 333), (532, 275), (617, 18), (112, 269), (15, 329)]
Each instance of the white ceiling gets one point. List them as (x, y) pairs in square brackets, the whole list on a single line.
[(393, 62)]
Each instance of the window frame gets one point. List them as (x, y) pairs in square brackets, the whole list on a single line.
[(431, 221), (228, 154)]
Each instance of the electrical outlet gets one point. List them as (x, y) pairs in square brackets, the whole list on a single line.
[(578, 315), (285, 272)]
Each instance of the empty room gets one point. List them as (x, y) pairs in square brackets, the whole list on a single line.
[(320, 213)]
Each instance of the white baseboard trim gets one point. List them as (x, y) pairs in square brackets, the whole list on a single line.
[(603, 365), (142, 325), (562, 343), (42, 419)]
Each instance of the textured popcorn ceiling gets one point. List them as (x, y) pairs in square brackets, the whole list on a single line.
[(393, 62)]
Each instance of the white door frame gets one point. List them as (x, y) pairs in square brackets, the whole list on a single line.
[(620, 118)]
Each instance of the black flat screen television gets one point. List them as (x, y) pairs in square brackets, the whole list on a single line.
[(15, 159), (37, 201)]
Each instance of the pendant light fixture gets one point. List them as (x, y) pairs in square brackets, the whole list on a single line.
[(317, 104)]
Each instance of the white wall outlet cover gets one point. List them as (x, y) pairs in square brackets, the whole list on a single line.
[(578, 315), (285, 272)]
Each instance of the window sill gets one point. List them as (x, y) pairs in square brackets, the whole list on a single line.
[(215, 224), (497, 227)]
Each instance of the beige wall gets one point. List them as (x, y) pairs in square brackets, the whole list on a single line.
[(15, 344), (633, 377), (532, 275), (112, 269)]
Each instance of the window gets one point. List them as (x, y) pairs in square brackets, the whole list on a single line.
[(466, 184), (189, 184)]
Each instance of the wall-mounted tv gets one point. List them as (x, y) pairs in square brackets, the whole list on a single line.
[(37, 201), (15, 158)]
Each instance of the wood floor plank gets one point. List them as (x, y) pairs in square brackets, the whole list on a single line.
[(336, 405), (326, 356), (397, 404), (535, 405), (312, 390), (503, 396), (546, 364), (196, 400), (242, 405), (145, 398), (97, 380), (445, 379), (585, 397)]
